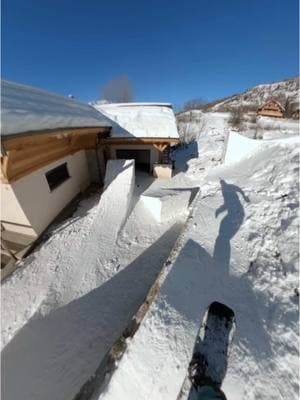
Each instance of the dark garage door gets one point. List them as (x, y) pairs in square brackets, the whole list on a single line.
[(141, 157)]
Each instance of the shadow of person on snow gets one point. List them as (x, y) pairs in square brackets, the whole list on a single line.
[(230, 224), (202, 279)]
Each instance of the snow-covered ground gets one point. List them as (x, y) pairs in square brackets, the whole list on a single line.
[(275, 128), (67, 304), (247, 259), (197, 158), (239, 247)]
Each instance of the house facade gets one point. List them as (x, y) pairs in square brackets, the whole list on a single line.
[(53, 147), (143, 132), (44, 140), (271, 108)]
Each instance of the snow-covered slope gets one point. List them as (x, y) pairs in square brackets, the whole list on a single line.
[(286, 92), (73, 297), (246, 259), (239, 147), (191, 123), (209, 131)]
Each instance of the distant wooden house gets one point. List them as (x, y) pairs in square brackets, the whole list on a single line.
[(271, 108)]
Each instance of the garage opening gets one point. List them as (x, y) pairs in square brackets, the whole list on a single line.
[(141, 157)]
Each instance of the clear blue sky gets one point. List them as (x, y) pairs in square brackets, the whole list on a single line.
[(170, 50)]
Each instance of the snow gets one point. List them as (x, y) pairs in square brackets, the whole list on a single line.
[(197, 158), (24, 109), (239, 147), (275, 128), (246, 259), (78, 292), (141, 120), (167, 203), (286, 92)]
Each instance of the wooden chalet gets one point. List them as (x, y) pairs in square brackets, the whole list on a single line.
[(271, 108)]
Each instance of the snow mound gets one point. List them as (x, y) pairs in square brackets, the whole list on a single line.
[(239, 147)]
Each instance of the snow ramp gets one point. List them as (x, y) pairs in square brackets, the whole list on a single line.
[(115, 202)]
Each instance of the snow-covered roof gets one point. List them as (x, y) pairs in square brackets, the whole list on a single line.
[(141, 120), (26, 109)]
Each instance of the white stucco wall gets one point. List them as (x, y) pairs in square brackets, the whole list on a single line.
[(12, 212), (29, 201)]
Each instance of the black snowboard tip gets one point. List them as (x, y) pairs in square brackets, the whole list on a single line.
[(221, 310)]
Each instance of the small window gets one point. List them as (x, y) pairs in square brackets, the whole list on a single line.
[(57, 176)]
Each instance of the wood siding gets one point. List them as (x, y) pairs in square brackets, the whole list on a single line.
[(25, 154), (271, 109)]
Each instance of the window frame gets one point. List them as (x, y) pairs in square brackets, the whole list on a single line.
[(62, 177)]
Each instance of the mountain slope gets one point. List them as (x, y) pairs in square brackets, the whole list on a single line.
[(286, 92)]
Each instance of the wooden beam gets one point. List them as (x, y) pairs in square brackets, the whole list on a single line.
[(26, 154), (23, 155), (129, 140), (16, 171), (18, 142), (161, 146)]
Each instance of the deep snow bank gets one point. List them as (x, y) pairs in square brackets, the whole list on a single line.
[(197, 158), (246, 259), (239, 147)]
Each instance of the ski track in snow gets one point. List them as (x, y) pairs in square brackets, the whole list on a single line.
[(50, 330)]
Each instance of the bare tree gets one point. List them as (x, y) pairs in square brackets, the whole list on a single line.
[(193, 104), (118, 90), (190, 128), (236, 118)]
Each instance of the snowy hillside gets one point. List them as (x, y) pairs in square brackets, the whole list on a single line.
[(286, 92), (191, 123)]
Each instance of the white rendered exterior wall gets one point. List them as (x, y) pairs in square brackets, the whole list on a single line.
[(28, 206)]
